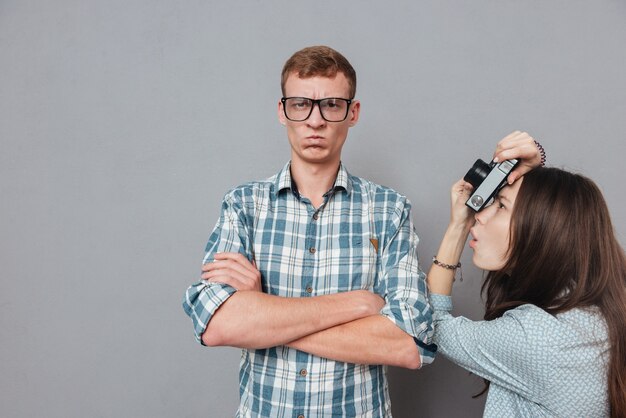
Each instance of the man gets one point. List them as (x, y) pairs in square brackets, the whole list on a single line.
[(314, 272)]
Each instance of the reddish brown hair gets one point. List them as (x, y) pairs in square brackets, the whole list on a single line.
[(319, 61)]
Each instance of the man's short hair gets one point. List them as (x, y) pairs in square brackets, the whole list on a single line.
[(321, 61)]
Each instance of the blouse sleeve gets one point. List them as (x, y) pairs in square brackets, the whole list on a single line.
[(511, 351)]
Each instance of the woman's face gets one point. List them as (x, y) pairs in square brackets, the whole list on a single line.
[(491, 231)]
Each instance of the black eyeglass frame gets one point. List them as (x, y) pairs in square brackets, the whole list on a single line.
[(313, 103)]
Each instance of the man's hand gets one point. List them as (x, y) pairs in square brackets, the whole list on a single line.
[(233, 269), (522, 146)]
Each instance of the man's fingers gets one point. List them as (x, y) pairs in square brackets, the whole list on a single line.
[(235, 279), (230, 267), (224, 272), (229, 280), (236, 257), (223, 264), (233, 269)]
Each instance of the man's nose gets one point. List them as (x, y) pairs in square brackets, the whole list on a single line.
[(315, 118)]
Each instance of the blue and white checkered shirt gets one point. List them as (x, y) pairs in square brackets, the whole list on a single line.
[(269, 222)]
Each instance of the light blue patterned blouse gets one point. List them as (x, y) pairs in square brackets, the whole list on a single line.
[(539, 365)]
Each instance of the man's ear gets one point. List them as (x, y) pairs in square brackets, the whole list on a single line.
[(354, 113), (281, 114)]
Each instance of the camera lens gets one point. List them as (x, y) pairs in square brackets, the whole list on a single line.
[(477, 173)]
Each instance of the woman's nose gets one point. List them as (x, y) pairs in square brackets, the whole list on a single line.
[(483, 215)]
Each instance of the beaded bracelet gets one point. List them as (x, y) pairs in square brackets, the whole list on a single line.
[(542, 152), (449, 267)]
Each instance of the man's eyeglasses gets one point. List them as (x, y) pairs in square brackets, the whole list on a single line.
[(332, 109)]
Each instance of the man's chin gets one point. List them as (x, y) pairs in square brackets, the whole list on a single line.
[(315, 152), (315, 159)]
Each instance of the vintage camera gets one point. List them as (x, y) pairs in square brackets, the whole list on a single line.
[(487, 180)]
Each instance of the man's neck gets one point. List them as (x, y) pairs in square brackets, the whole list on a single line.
[(313, 180)]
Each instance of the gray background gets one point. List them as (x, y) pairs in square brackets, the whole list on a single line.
[(122, 124)]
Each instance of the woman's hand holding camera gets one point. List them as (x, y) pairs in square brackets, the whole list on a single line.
[(522, 146), (460, 215)]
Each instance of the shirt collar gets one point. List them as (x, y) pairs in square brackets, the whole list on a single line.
[(285, 181), (343, 180)]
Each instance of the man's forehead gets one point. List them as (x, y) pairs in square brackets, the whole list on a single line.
[(335, 82), (336, 76)]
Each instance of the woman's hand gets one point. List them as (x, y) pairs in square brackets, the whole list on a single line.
[(460, 214), (522, 146)]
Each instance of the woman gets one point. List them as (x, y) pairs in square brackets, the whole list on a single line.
[(553, 342)]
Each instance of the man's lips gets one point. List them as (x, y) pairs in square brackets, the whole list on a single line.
[(314, 141)]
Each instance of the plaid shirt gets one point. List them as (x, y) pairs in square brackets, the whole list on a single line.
[(302, 251)]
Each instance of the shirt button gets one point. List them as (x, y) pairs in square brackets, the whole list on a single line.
[(312, 250), (303, 372), (315, 216), (309, 289)]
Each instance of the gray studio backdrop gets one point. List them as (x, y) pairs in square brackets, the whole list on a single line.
[(122, 124)]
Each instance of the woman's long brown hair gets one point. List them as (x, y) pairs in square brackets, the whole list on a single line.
[(563, 254)]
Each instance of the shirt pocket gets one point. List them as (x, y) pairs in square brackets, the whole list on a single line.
[(357, 258)]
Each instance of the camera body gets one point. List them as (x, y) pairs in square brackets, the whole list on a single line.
[(487, 180)]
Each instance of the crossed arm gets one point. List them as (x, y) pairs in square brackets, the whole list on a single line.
[(344, 327)]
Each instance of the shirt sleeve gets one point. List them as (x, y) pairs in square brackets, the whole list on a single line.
[(403, 284), (203, 298), (509, 351)]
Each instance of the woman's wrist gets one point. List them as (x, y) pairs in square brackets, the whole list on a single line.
[(454, 268), (462, 225), (443, 270), (453, 242)]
